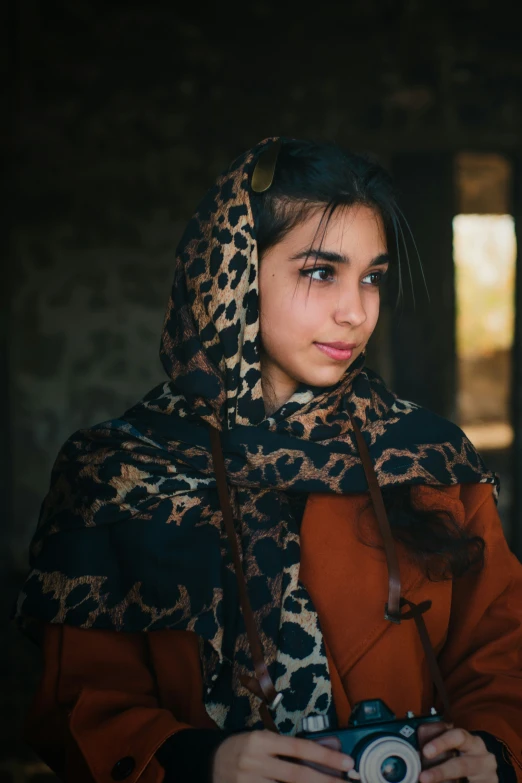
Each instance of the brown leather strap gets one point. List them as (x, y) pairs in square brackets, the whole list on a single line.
[(392, 610), (251, 684), (262, 686), (416, 611)]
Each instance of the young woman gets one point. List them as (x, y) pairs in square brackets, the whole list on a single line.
[(150, 673)]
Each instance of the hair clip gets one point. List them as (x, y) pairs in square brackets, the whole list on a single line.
[(263, 174)]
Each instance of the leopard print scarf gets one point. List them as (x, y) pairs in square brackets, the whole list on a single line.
[(131, 537)]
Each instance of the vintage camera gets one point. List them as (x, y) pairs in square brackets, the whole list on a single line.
[(385, 749)]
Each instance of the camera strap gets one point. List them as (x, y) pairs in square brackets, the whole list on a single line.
[(396, 608), (395, 604)]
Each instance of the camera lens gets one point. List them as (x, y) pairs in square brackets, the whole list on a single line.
[(388, 759), (394, 769)]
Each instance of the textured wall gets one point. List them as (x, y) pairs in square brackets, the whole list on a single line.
[(87, 319), (107, 175)]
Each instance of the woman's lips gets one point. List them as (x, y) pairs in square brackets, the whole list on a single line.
[(341, 352)]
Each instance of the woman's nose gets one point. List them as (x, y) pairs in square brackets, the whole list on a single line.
[(350, 309)]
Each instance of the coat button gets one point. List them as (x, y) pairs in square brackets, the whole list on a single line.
[(123, 768)]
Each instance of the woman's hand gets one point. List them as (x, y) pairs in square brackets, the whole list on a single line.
[(255, 757), (474, 763)]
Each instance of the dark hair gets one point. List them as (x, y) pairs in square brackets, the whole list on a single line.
[(435, 539), (309, 175)]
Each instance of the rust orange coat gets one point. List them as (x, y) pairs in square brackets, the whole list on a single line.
[(107, 695)]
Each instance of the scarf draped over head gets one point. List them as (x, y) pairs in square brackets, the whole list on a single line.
[(131, 537)]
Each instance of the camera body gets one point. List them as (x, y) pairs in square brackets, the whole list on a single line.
[(385, 749)]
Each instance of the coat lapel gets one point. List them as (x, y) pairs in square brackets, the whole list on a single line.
[(346, 574)]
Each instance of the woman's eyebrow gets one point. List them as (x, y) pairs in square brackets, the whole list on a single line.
[(337, 258)]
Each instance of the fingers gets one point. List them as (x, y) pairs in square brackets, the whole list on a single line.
[(477, 768), (306, 750), (291, 772), (474, 761), (454, 739)]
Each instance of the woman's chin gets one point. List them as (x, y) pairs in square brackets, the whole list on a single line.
[(325, 377)]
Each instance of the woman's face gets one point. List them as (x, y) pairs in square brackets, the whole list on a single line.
[(319, 298)]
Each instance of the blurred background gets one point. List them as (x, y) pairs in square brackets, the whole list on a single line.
[(121, 115)]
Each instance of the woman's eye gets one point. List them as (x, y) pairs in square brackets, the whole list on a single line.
[(375, 278), (323, 274)]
